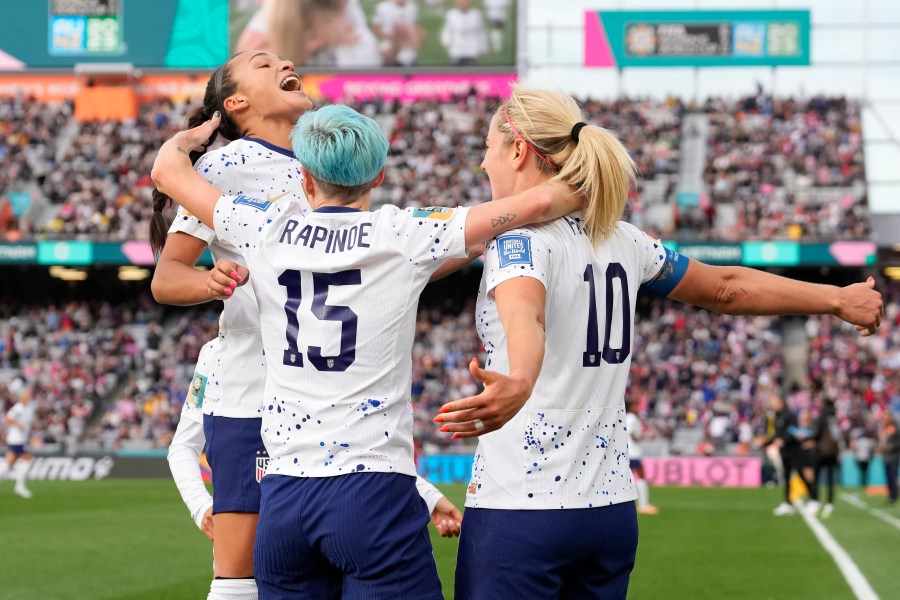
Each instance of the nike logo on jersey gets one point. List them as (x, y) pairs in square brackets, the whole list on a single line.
[(276, 198)]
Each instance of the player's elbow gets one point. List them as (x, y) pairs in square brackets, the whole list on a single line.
[(157, 289), (159, 286), (161, 179), (729, 295)]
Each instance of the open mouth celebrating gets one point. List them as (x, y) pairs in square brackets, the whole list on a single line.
[(291, 83)]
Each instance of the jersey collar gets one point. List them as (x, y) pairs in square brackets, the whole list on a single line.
[(336, 209), (272, 147)]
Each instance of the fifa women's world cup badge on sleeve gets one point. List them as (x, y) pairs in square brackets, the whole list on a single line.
[(197, 391)]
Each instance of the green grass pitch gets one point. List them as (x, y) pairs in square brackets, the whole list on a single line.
[(133, 540)]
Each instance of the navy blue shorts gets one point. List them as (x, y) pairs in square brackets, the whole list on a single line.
[(18, 449), (353, 536), (237, 459), (635, 463), (548, 554)]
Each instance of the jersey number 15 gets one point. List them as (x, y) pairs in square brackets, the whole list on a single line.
[(290, 279)]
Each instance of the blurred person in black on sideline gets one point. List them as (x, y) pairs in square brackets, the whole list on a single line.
[(826, 444), (790, 449)]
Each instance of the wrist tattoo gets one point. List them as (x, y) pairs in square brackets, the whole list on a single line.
[(502, 220), (180, 149)]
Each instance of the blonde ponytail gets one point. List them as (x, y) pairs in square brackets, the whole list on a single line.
[(594, 162)]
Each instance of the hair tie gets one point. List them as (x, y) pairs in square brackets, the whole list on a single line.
[(157, 209), (576, 128)]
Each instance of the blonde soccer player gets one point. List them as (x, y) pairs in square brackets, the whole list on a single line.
[(556, 313)]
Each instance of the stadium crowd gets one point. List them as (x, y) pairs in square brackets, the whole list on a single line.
[(71, 358), (692, 370), (791, 168), (102, 183)]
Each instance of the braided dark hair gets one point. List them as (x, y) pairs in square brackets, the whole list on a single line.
[(219, 87)]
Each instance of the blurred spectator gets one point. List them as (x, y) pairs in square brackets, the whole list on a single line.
[(889, 447), (464, 35)]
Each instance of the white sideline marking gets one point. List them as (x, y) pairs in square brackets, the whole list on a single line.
[(855, 579), (875, 512)]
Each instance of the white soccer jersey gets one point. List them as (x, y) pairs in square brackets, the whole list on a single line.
[(389, 14), (635, 430), (236, 371), (23, 414), (566, 448), (338, 293), (464, 34)]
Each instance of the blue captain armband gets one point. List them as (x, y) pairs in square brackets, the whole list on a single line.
[(670, 274)]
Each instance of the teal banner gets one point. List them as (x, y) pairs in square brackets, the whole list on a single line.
[(780, 254), (697, 38), (713, 254), (755, 254), (18, 254), (65, 253)]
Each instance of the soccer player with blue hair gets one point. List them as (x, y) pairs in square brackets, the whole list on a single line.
[(337, 290)]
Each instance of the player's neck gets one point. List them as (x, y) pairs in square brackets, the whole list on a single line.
[(361, 203), (271, 131), (527, 179)]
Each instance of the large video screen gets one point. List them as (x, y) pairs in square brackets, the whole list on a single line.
[(364, 35), (152, 34)]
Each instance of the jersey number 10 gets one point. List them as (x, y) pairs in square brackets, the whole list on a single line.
[(613, 356), (290, 279)]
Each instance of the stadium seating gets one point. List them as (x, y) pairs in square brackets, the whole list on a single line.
[(702, 380), (766, 169)]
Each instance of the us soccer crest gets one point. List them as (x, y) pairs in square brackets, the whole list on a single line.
[(262, 463)]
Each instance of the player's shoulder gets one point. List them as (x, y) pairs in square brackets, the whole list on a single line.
[(418, 216), (242, 152), (628, 237)]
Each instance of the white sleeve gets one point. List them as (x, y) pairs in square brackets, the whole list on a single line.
[(429, 236), (186, 222), (239, 221), (430, 494), (184, 462), (650, 253), (516, 253), (446, 37)]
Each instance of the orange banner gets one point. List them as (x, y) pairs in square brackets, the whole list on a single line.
[(58, 88)]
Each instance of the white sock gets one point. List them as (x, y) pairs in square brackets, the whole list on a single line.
[(643, 492), (21, 472), (233, 589), (4, 469), (496, 37)]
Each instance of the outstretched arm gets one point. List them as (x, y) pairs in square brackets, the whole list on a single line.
[(174, 175), (744, 291)]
